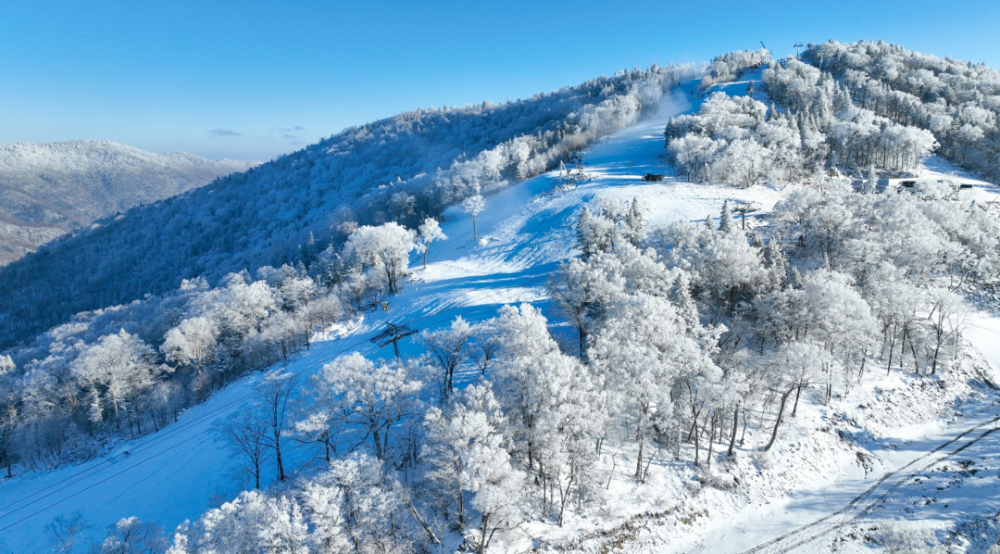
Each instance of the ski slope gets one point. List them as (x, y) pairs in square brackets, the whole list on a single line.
[(525, 232), (179, 472)]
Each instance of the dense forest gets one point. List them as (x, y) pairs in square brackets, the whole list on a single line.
[(743, 142), (957, 101)]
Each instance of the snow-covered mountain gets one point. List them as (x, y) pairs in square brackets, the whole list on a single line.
[(48, 189), (401, 168), (717, 343)]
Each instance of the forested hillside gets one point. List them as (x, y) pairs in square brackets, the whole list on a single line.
[(598, 342), (402, 168), (49, 189), (956, 100)]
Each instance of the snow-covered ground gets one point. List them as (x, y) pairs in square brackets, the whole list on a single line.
[(525, 232)]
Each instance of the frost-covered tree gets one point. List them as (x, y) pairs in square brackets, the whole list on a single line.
[(634, 230), (6, 364), (10, 417), (372, 398), (385, 248), (245, 435), (581, 291), (468, 430), (448, 347), (473, 206), (595, 232), (324, 508), (120, 364), (795, 365), (467, 453), (947, 319), (645, 352), (556, 412), (131, 536), (725, 268), (64, 532), (275, 394), (485, 344), (192, 342), (430, 231), (371, 504)]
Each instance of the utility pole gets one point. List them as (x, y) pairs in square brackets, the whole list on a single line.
[(392, 334), (797, 46)]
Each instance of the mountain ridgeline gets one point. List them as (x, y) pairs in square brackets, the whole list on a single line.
[(47, 190), (401, 168)]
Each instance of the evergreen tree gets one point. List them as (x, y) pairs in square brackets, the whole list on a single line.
[(725, 219), (583, 239)]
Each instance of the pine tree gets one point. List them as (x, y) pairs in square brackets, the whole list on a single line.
[(872, 182), (772, 114), (635, 224), (725, 220), (583, 233)]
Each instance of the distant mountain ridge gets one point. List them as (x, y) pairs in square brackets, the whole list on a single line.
[(48, 189)]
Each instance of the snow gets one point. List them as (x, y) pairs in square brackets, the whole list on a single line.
[(526, 231), (833, 495), (51, 188)]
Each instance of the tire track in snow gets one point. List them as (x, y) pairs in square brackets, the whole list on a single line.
[(865, 502)]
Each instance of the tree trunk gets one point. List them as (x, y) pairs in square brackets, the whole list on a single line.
[(696, 443), (277, 456), (482, 532), (781, 411), (377, 442), (902, 347), (892, 347), (711, 441), (934, 363), (736, 423), (638, 463)]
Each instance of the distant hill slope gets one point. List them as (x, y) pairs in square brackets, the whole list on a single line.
[(402, 168), (49, 189)]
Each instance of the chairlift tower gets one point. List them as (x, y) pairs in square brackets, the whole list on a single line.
[(392, 334), (745, 208)]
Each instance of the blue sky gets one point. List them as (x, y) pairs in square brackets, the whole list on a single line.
[(255, 79)]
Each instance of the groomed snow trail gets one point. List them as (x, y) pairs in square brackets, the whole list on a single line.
[(525, 232)]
